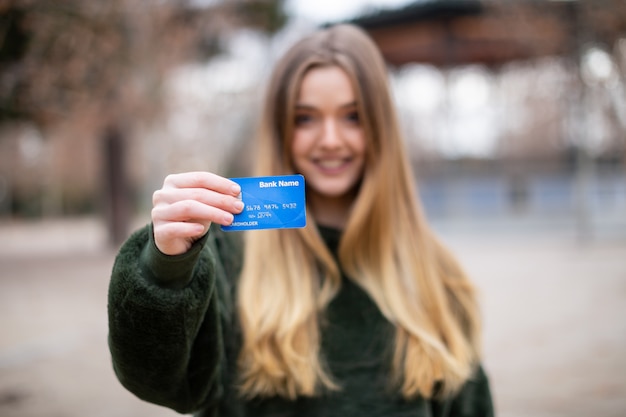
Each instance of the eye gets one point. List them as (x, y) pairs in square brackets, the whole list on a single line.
[(302, 119), (353, 117)]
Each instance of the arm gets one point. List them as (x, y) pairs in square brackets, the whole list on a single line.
[(165, 333), (164, 329)]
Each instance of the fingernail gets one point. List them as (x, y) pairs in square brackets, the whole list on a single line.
[(228, 218), (236, 188), (238, 205)]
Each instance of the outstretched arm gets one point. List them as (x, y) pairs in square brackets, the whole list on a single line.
[(165, 341), (165, 310)]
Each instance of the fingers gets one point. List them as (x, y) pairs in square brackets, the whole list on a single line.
[(175, 238), (194, 211), (170, 231), (197, 196), (206, 180), (210, 198), (188, 203)]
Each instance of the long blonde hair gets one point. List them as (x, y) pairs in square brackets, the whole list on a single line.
[(289, 276)]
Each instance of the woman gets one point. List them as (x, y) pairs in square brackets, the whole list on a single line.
[(363, 312)]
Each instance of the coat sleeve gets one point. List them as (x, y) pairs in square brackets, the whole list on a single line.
[(165, 334)]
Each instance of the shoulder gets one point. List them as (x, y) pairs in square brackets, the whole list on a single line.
[(474, 399)]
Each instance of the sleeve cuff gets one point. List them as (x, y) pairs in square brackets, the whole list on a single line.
[(166, 270)]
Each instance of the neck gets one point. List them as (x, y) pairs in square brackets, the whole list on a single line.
[(331, 211)]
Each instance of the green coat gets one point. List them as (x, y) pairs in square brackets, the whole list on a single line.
[(174, 339)]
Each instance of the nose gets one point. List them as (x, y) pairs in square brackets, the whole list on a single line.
[(331, 135)]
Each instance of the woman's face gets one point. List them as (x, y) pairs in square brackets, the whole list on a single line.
[(328, 145)]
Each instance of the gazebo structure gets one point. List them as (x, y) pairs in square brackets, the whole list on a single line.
[(492, 33), (457, 32)]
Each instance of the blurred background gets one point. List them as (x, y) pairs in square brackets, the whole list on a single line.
[(514, 114)]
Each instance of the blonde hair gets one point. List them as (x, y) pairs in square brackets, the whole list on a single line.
[(289, 276)]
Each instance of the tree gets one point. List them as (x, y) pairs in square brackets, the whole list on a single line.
[(102, 64)]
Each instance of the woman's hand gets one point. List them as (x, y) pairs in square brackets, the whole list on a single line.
[(186, 206)]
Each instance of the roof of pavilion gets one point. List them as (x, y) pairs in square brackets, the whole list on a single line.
[(458, 32)]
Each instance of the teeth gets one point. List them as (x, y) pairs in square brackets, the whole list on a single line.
[(331, 163)]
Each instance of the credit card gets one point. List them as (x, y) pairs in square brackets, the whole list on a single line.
[(276, 202)]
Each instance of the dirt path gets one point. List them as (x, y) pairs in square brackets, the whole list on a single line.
[(555, 328)]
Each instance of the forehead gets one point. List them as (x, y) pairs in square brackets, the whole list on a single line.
[(326, 83)]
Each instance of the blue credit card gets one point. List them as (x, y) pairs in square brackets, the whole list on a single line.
[(276, 202)]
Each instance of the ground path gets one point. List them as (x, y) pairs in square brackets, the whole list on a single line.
[(555, 322)]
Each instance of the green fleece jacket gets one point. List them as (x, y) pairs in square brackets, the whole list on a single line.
[(174, 339)]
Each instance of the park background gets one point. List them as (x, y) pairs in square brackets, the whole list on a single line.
[(518, 147)]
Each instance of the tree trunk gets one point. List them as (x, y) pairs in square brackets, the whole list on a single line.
[(116, 192)]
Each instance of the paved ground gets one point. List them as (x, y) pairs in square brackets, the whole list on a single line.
[(555, 328)]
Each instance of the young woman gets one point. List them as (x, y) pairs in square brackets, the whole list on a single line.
[(361, 313)]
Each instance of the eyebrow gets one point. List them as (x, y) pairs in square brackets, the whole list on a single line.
[(304, 106)]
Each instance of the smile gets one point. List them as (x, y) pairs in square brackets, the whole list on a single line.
[(332, 165)]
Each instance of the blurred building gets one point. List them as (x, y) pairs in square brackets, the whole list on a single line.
[(508, 108), (531, 109)]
